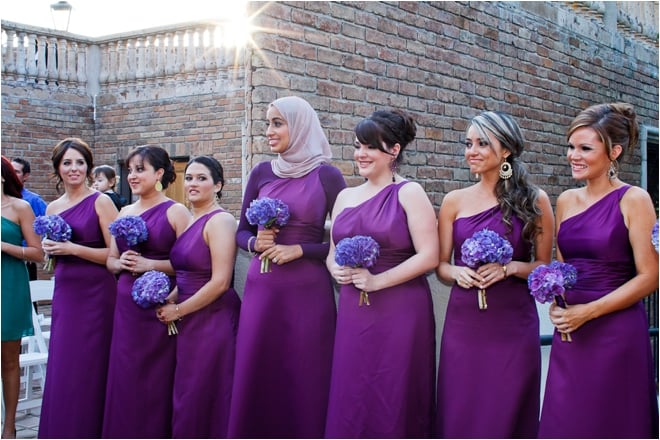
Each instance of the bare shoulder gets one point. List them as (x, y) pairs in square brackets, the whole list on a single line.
[(636, 195), (569, 196), (223, 218)]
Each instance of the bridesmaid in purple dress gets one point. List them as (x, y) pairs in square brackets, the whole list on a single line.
[(83, 301), (138, 400), (601, 384), (203, 258), (489, 372), (287, 323), (384, 357)]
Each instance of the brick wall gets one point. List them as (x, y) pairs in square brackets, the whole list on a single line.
[(443, 61)]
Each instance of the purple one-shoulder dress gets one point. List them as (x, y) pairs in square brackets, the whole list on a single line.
[(142, 356), (601, 385), (384, 358), (489, 371), (83, 307), (206, 343), (286, 328)]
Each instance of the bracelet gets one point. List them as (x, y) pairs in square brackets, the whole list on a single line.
[(178, 315), (23, 252), (504, 270), (251, 251)]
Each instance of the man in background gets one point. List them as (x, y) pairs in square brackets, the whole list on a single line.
[(22, 168)]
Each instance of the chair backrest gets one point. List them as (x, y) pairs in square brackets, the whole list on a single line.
[(42, 290), (38, 338)]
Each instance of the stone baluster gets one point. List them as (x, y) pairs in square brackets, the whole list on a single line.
[(211, 51), (130, 61), (104, 72), (51, 61), (9, 58), (170, 55), (113, 65), (180, 53), (71, 68), (160, 56), (62, 75), (140, 49), (150, 58), (81, 64), (190, 52), (21, 69), (31, 57), (121, 68), (200, 63), (42, 72)]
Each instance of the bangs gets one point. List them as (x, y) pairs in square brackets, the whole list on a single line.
[(368, 132)]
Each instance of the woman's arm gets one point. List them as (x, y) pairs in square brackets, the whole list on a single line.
[(33, 250), (219, 233)]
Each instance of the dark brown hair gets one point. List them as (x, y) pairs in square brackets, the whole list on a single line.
[(12, 185), (60, 150)]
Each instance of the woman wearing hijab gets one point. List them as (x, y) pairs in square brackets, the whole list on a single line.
[(287, 321)]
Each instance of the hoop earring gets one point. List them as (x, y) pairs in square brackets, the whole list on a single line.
[(613, 172), (506, 170), (158, 186)]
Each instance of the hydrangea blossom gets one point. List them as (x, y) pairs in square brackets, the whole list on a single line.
[(131, 228), (267, 212), (357, 251), (151, 289), (52, 227), (654, 236), (486, 246)]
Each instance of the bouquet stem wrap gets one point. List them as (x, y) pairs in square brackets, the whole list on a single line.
[(485, 246)]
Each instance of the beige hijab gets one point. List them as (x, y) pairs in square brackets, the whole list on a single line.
[(308, 146)]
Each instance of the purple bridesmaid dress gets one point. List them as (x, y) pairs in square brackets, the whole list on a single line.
[(286, 329), (601, 385), (83, 307), (489, 371), (206, 343), (384, 357), (142, 356)]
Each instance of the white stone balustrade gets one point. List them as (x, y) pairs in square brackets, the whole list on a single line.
[(47, 58)]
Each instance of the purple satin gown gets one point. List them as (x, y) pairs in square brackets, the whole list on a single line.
[(142, 356), (206, 343), (601, 385), (489, 370), (82, 316), (384, 357), (286, 329)]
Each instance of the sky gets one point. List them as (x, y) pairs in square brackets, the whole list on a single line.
[(94, 18)]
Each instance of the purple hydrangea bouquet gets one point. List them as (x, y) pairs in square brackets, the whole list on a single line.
[(149, 290), (267, 212), (52, 227), (485, 246), (549, 283), (131, 228), (357, 251), (654, 236)]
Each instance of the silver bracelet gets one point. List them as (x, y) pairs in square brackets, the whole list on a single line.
[(251, 251)]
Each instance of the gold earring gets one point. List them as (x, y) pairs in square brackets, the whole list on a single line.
[(159, 186), (506, 171)]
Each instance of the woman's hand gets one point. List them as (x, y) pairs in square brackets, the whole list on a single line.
[(265, 239), (341, 274), (168, 313), (569, 319), (364, 280), (53, 248), (282, 253), (491, 273), (466, 277), (128, 261)]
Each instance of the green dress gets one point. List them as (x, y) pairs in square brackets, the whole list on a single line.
[(16, 302)]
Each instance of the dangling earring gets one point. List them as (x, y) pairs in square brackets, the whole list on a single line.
[(613, 172), (159, 186), (393, 169), (506, 171)]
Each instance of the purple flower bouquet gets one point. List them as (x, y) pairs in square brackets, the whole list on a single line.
[(654, 236), (149, 290), (267, 212), (131, 228), (357, 251), (549, 283), (52, 227), (485, 246)]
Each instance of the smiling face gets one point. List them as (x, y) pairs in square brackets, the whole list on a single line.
[(483, 155), (73, 168), (198, 184), (142, 176), (371, 161), (278, 131), (587, 154)]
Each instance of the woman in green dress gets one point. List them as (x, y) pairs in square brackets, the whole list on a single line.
[(17, 221)]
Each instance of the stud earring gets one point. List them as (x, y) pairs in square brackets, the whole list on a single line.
[(506, 171)]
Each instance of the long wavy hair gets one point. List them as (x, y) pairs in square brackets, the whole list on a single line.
[(517, 195)]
